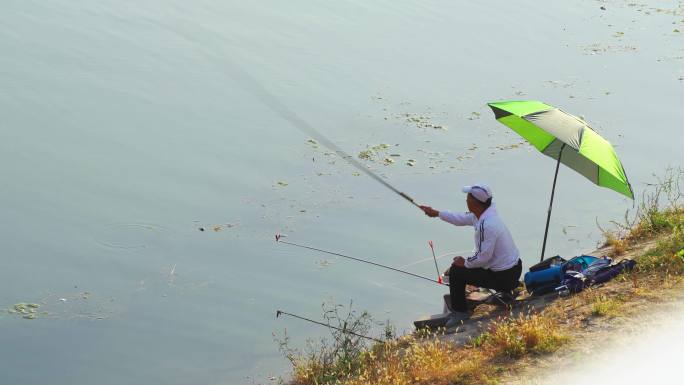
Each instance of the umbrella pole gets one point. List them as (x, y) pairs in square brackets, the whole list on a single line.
[(553, 191)]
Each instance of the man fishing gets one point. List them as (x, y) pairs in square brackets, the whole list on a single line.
[(495, 263)]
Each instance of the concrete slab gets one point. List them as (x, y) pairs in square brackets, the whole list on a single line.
[(432, 321)]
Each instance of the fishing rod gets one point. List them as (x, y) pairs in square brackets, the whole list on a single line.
[(278, 238), (251, 84), (279, 312), (432, 247)]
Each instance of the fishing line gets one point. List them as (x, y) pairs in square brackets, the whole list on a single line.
[(251, 84), (279, 240), (279, 312), (454, 253)]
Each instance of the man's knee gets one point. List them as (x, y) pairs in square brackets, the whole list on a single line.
[(457, 273)]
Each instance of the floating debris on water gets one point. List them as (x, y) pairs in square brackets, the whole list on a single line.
[(323, 263), (411, 162), (371, 151), (26, 310), (282, 183), (565, 228), (558, 83), (219, 227), (597, 48), (474, 115), (421, 120), (388, 161), (510, 146), (366, 155)]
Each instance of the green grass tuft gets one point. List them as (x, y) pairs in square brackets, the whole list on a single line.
[(605, 306)]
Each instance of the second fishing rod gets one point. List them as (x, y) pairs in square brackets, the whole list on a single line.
[(438, 281)]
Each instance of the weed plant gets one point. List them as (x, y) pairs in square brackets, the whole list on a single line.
[(603, 305), (425, 357), (659, 213)]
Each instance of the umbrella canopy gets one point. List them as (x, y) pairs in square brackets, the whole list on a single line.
[(566, 138), (569, 140)]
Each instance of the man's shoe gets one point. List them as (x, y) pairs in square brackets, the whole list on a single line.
[(456, 318)]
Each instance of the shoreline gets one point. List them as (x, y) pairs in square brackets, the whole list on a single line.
[(540, 335)]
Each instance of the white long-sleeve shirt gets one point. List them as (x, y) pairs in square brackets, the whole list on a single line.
[(494, 246)]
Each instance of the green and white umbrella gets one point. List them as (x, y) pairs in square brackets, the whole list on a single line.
[(569, 140)]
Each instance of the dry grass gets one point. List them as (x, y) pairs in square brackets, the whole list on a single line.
[(618, 246), (526, 334), (407, 360), (431, 359), (605, 306)]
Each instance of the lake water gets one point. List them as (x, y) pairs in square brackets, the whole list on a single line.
[(124, 130)]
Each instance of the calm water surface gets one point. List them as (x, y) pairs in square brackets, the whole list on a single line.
[(123, 131)]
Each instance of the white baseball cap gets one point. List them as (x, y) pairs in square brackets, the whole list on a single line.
[(480, 191)]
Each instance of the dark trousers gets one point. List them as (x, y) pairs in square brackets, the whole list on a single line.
[(459, 277)]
